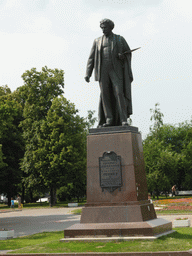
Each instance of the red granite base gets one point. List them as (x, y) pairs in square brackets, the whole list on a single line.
[(118, 208), (145, 228), (134, 212)]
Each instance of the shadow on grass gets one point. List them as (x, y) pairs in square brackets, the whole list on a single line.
[(179, 234), (42, 235)]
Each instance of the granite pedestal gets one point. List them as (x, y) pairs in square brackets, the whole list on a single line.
[(117, 196)]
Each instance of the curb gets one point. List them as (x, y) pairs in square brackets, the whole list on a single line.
[(181, 253)]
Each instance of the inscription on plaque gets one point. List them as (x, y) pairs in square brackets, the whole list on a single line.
[(110, 171)]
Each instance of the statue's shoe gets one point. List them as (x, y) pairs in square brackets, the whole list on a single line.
[(124, 124), (107, 124)]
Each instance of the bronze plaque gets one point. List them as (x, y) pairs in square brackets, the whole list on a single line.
[(110, 171)]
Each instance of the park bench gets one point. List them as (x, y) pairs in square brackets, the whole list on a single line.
[(183, 193)]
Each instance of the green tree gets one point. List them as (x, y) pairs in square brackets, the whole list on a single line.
[(55, 136), (187, 160), (157, 116), (90, 120), (2, 164), (60, 157), (4, 90), (12, 143), (161, 165), (167, 150), (36, 96), (157, 181)]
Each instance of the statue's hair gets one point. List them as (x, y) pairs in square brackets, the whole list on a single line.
[(109, 22)]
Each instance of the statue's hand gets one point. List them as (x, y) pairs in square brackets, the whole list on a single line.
[(87, 79), (121, 56)]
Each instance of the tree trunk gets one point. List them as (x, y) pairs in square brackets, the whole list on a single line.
[(157, 194), (23, 194), (53, 199), (31, 195), (10, 192), (9, 200)]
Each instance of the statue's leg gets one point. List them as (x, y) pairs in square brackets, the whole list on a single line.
[(106, 89), (117, 85), (101, 115)]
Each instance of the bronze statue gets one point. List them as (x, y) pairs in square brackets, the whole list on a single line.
[(110, 58)]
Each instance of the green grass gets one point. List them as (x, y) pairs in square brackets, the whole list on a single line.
[(49, 243), (78, 211), (39, 205), (167, 212), (158, 212)]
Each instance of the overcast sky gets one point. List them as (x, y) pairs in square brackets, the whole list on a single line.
[(60, 34)]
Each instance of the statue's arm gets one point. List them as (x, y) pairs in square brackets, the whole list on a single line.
[(90, 63)]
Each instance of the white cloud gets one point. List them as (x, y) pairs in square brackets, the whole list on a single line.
[(12, 4), (24, 51), (149, 29), (182, 8), (93, 21), (38, 24)]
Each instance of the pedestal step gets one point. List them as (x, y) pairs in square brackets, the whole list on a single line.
[(145, 228)]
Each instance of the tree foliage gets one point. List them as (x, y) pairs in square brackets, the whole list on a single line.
[(167, 153), (157, 116), (42, 138), (60, 157), (11, 141), (54, 134), (4, 90), (36, 96), (2, 164), (90, 120)]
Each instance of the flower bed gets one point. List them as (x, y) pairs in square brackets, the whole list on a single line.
[(168, 201), (183, 204)]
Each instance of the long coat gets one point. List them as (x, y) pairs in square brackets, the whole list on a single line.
[(118, 45)]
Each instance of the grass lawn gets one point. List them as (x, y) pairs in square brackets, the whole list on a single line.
[(158, 212), (49, 243), (39, 205)]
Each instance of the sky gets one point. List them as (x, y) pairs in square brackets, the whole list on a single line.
[(60, 33)]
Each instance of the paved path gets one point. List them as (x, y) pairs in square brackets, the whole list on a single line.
[(31, 221), (36, 212), (172, 217), (27, 222)]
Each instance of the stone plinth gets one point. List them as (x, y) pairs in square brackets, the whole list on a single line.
[(145, 228), (118, 209)]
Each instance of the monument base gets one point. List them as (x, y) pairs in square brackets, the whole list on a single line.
[(135, 211), (145, 229), (117, 197)]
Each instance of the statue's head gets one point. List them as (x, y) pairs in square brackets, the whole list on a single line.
[(107, 26)]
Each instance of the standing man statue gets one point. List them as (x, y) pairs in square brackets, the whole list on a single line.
[(110, 58)]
